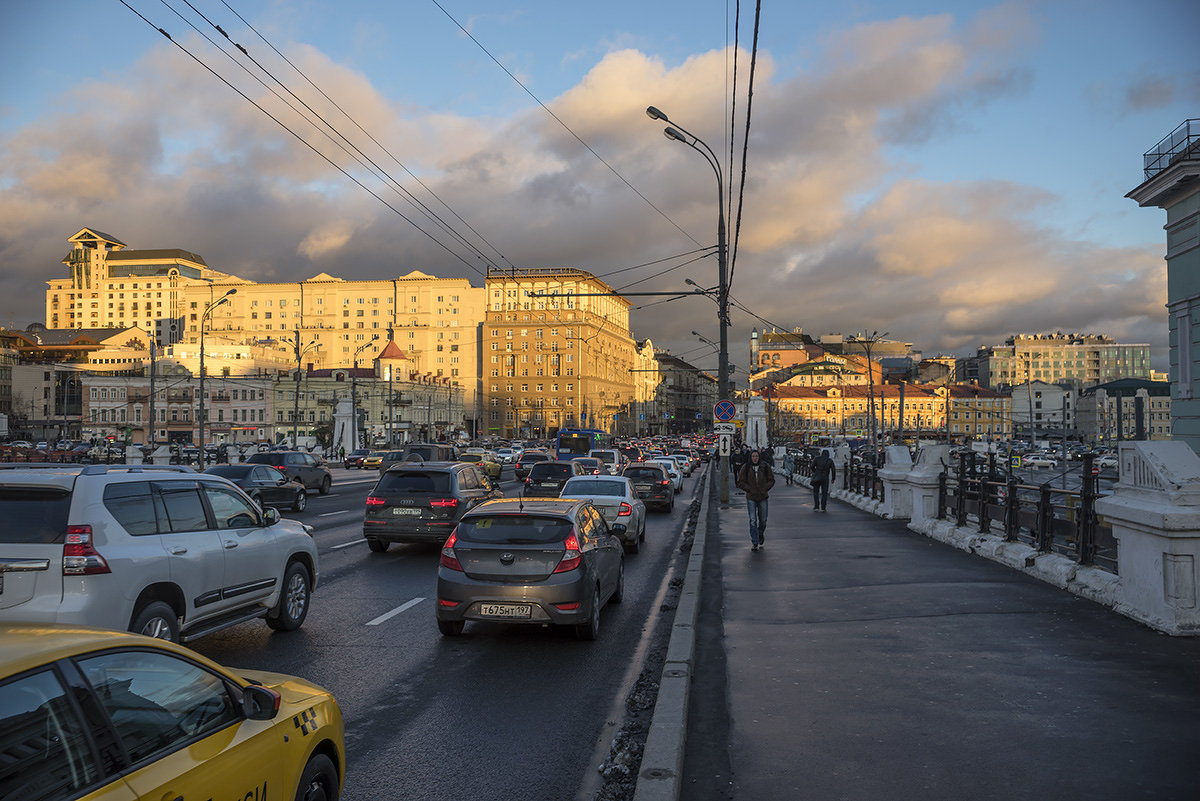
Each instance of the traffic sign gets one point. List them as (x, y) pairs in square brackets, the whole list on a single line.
[(724, 428), (723, 445), (740, 423), (724, 410)]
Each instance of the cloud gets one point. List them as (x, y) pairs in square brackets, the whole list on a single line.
[(834, 236)]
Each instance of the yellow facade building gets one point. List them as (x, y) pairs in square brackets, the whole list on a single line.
[(435, 320), (557, 353)]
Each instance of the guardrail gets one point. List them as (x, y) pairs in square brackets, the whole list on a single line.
[(861, 478), (1052, 520)]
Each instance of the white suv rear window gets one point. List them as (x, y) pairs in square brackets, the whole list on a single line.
[(33, 515)]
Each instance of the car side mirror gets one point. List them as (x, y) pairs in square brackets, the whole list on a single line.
[(259, 703), (270, 516)]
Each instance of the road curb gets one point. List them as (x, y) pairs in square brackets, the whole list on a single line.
[(662, 758)]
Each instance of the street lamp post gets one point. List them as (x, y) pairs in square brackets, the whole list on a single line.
[(868, 342), (296, 389), (354, 433), (203, 317), (681, 134)]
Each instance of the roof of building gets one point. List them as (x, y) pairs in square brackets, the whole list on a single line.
[(93, 233), (59, 337), (391, 352), (1129, 386), (160, 254)]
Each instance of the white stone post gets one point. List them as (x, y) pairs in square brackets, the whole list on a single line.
[(897, 494), (1155, 515), (923, 482)]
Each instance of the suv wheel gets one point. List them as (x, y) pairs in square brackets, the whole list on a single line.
[(156, 619), (301, 500), (377, 545), (294, 597), (619, 593), (325, 485)]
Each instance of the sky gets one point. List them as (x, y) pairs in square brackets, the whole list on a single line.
[(948, 172)]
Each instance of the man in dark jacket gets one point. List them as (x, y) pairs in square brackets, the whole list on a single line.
[(824, 473), (756, 480)]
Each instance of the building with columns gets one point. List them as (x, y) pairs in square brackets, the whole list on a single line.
[(1171, 170)]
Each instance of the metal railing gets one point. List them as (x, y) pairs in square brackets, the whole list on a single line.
[(1052, 520), (861, 478)]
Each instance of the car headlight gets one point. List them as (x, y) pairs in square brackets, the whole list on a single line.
[(307, 529)]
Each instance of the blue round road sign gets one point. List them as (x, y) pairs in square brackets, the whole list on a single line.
[(724, 411)]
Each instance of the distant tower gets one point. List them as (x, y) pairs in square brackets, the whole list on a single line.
[(753, 350)]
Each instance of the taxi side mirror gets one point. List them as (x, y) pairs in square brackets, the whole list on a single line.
[(259, 703)]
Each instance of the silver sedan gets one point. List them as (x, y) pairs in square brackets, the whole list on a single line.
[(616, 500)]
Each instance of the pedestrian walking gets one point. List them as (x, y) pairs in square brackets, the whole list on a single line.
[(756, 479), (824, 472), (789, 466), (737, 461)]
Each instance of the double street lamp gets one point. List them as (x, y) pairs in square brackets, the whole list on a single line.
[(354, 432), (300, 351), (868, 341), (680, 134), (203, 318)]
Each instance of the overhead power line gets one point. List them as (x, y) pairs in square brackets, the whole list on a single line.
[(285, 126), (356, 124), (745, 142), (565, 127)]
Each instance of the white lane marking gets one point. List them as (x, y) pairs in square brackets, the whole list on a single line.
[(386, 616), (330, 514), (348, 544)]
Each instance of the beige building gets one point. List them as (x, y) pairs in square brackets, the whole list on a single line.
[(556, 353), (803, 413), (1079, 359), (436, 320)]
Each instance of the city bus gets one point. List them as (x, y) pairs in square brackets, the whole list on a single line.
[(574, 442)]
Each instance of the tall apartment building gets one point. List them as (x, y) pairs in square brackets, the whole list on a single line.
[(556, 353), (436, 320), (1170, 171), (1081, 360)]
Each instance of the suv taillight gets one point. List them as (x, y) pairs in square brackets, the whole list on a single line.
[(449, 557), (571, 556), (625, 510), (667, 482), (443, 503), (374, 501), (79, 557)]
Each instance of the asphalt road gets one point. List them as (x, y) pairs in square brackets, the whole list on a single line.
[(501, 712)]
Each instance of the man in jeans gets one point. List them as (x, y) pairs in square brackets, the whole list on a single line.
[(824, 473), (756, 479)]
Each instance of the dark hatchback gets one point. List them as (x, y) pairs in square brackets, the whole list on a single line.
[(528, 459), (304, 467), (544, 562), (265, 486), (423, 502), (652, 484), (546, 479)]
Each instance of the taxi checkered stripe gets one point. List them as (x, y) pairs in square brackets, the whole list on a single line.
[(306, 721)]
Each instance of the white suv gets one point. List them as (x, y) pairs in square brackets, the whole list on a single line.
[(162, 551)]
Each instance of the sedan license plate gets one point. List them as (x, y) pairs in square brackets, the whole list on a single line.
[(399, 511), (506, 610)]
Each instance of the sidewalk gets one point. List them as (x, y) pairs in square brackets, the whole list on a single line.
[(863, 661)]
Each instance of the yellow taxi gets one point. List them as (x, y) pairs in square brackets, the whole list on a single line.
[(486, 463), (373, 460), (95, 714)]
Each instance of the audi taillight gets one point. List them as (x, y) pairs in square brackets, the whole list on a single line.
[(443, 503), (449, 557), (80, 558), (625, 510), (571, 556), (665, 483), (374, 501)]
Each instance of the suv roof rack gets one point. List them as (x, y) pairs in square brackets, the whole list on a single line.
[(101, 469)]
